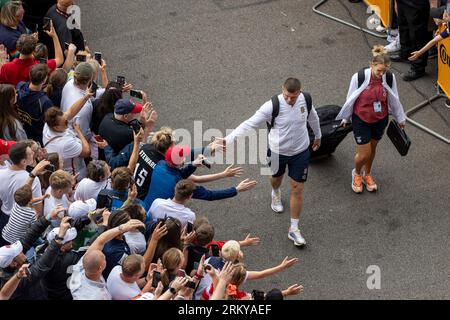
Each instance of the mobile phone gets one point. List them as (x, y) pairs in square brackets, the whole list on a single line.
[(27, 271), (208, 267), (36, 28), (46, 24), (189, 227), (136, 125), (43, 60), (94, 88), (66, 46), (98, 138), (156, 278), (50, 167), (206, 163), (120, 80), (190, 284), (81, 58), (136, 94), (181, 273), (215, 250), (258, 295), (98, 57)]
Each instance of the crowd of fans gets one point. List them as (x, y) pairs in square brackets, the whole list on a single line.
[(94, 197)]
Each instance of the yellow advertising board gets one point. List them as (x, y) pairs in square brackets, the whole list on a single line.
[(444, 65), (383, 9)]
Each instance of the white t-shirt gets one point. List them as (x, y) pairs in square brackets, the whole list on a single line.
[(72, 94), (51, 203), (162, 207), (136, 242), (83, 288), (89, 189), (11, 181), (69, 147), (119, 289)]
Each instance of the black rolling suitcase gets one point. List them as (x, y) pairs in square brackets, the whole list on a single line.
[(332, 133)]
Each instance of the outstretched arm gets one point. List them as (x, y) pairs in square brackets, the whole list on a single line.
[(253, 275)]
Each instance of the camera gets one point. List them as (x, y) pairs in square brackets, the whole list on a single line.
[(120, 80), (98, 57), (215, 250), (136, 94), (156, 278), (47, 24), (258, 295), (50, 167), (136, 126), (81, 58), (206, 163)]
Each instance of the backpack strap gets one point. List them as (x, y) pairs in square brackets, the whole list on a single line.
[(275, 111), (361, 77), (51, 140), (308, 99), (389, 78)]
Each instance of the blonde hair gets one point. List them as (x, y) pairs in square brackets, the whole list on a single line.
[(162, 139), (231, 251), (380, 55), (8, 14), (60, 180)]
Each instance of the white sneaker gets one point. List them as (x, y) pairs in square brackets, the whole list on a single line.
[(277, 205), (380, 28), (296, 236), (394, 46)]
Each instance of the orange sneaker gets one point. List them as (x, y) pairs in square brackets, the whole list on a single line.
[(369, 182), (357, 184)]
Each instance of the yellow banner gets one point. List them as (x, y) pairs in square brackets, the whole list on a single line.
[(444, 64), (383, 9)]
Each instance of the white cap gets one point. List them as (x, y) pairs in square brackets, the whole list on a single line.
[(69, 236), (81, 208), (9, 252)]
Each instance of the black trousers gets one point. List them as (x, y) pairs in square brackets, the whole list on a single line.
[(413, 19)]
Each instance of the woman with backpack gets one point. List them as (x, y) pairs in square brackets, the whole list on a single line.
[(372, 96)]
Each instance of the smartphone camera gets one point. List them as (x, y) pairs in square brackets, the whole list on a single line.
[(46, 25), (81, 58), (94, 88), (50, 167), (136, 126), (215, 250), (98, 57), (120, 80), (136, 94)]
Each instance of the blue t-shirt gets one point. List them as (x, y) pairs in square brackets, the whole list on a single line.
[(115, 252)]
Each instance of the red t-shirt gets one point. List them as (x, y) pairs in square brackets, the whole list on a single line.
[(18, 70), (364, 106)]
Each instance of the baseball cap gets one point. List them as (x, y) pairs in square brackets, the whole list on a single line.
[(81, 208), (437, 13), (9, 252), (175, 154), (125, 106), (5, 146), (84, 71), (69, 236)]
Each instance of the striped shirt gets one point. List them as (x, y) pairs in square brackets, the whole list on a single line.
[(18, 223)]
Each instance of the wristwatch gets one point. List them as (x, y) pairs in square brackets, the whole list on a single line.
[(172, 290), (32, 175), (58, 238)]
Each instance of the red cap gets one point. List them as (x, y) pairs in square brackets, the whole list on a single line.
[(5, 146), (175, 154), (137, 108)]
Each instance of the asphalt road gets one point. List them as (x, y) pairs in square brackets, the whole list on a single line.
[(217, 61)]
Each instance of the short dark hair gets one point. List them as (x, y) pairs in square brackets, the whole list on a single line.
[(118, 218), (205, 234), (184, 189), (26, 44), (292, 85), (18, 152), (52, 115), (135, 211), (132, 265), (96, 170), (23, 195), (121, 178), (38, 73)]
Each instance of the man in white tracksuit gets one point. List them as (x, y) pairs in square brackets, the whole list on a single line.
[(288, 146)]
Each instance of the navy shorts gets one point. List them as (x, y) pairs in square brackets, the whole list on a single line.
[(297, 165), (364, 132)]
